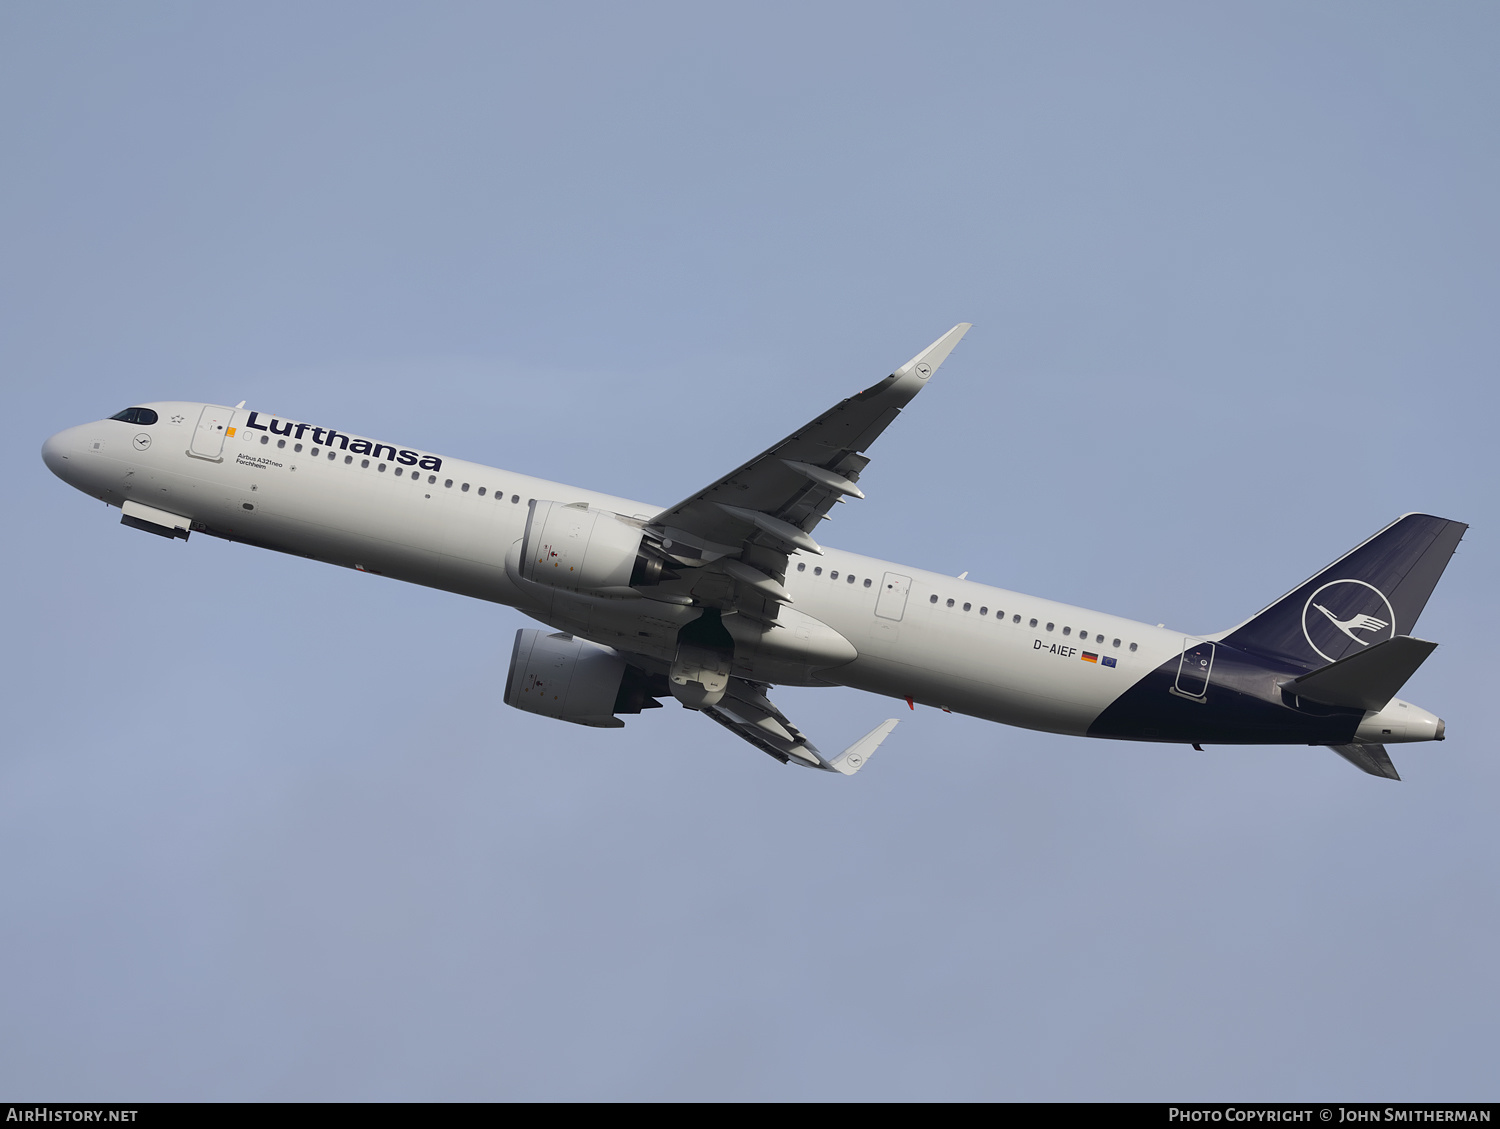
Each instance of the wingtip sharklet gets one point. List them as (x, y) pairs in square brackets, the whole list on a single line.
[(936, 353), (852, 759)]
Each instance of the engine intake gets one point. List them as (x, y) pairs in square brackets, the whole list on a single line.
[(571, 679)]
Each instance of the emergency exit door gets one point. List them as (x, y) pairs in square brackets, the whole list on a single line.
[(891, 603)]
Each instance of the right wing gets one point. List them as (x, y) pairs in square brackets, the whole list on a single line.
[(747, 712)]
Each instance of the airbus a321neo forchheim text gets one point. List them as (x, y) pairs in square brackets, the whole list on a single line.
[(718, 598)]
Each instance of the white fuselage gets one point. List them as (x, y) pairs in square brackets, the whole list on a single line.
[(951, 643)]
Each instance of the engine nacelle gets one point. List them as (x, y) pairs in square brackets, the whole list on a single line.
[(573, 546), (571, 679)]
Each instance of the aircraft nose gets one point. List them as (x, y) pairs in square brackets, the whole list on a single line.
[(62, 454), (55, 454)]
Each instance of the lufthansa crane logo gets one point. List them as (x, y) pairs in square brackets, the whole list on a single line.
[(1347, 609)]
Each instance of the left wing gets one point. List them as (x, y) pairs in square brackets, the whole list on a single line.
[(746, 711), (725, 550), (748, 522)]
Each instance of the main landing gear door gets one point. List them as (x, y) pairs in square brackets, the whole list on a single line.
[(1194, 669), (891, 603), (208, 437)]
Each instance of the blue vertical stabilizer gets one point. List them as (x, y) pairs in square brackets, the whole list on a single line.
[(1368, 596)]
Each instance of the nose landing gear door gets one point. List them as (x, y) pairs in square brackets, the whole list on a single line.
[(208, 436)]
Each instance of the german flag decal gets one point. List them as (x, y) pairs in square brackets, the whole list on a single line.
[(1090, 657)]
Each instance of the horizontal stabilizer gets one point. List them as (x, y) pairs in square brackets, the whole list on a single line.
[(1366, 680), (1368, 758)]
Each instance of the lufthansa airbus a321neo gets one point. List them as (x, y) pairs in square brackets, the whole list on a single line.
[(715, 600)]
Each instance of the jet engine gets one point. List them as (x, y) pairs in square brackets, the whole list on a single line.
[(571, 679), (573, 546)]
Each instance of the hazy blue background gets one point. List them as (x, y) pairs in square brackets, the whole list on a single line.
[(266, 828)]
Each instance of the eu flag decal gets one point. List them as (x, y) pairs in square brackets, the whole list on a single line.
[(1090, 657), (1107, 661)]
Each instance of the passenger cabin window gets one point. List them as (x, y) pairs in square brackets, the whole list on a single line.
[(465, 488), (1033, 623), (264, 439), (1116, 643), (867, 582), (834, 575), (143, 416), (967, 606), (818, 571), (801, 566), (984, 611), (1067, 630), (364, 462), (1132, 646), (950, 601), (481, 491), (280, 443)]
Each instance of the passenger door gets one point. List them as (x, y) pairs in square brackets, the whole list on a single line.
[(208, 437), (1194, 669)]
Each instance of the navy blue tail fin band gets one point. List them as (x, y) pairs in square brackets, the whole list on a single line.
[(1372, 593)]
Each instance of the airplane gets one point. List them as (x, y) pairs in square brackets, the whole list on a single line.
[(716, 600)]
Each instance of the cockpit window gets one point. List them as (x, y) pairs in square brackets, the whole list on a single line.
[(136, 415)]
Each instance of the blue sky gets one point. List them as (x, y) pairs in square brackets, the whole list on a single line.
[(267, 830)]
